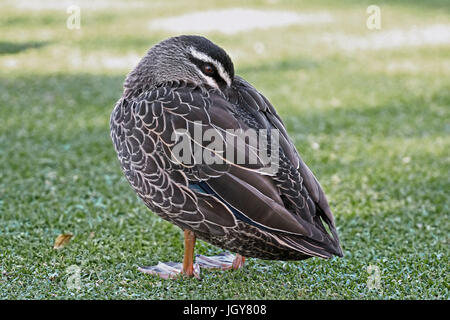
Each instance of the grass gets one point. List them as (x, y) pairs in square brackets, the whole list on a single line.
[(372, 125)]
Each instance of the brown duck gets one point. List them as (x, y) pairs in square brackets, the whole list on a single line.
[(187, 83)]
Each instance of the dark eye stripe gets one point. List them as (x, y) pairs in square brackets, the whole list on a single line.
[(215, 75)]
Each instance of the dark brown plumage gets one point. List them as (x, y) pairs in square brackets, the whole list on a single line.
[(235, 207)]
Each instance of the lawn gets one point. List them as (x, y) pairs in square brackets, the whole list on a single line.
[(371, 121)]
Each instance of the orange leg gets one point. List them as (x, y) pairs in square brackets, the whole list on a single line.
[(188, 261), (189, 268), (170, 270), (238, 262)]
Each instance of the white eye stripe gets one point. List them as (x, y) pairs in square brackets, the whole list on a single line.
[(204, 57)]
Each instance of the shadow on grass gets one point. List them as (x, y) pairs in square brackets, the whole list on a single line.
[(7, 47), (409, 119), (94, 96)]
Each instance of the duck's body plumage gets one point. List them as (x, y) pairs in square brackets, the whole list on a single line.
[(236, 207)]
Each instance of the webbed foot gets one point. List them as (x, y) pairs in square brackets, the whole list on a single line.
[(171, 270), (223, 261)]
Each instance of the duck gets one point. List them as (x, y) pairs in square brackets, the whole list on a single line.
[(207, 152)]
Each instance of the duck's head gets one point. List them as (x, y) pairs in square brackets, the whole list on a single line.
[(184, 58)]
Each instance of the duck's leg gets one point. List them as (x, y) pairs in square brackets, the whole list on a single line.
[(223, 261), (188, 261), (238, 262), (169, 270)]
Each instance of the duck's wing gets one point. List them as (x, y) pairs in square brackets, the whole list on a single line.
[(300, 192), (288, 204)]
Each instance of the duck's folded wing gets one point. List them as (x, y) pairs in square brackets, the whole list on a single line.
[(300, 191), (288, 204)]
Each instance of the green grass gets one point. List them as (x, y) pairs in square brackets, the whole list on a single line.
[(380, 120)]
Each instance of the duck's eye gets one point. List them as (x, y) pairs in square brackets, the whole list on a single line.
[(208, 69)]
